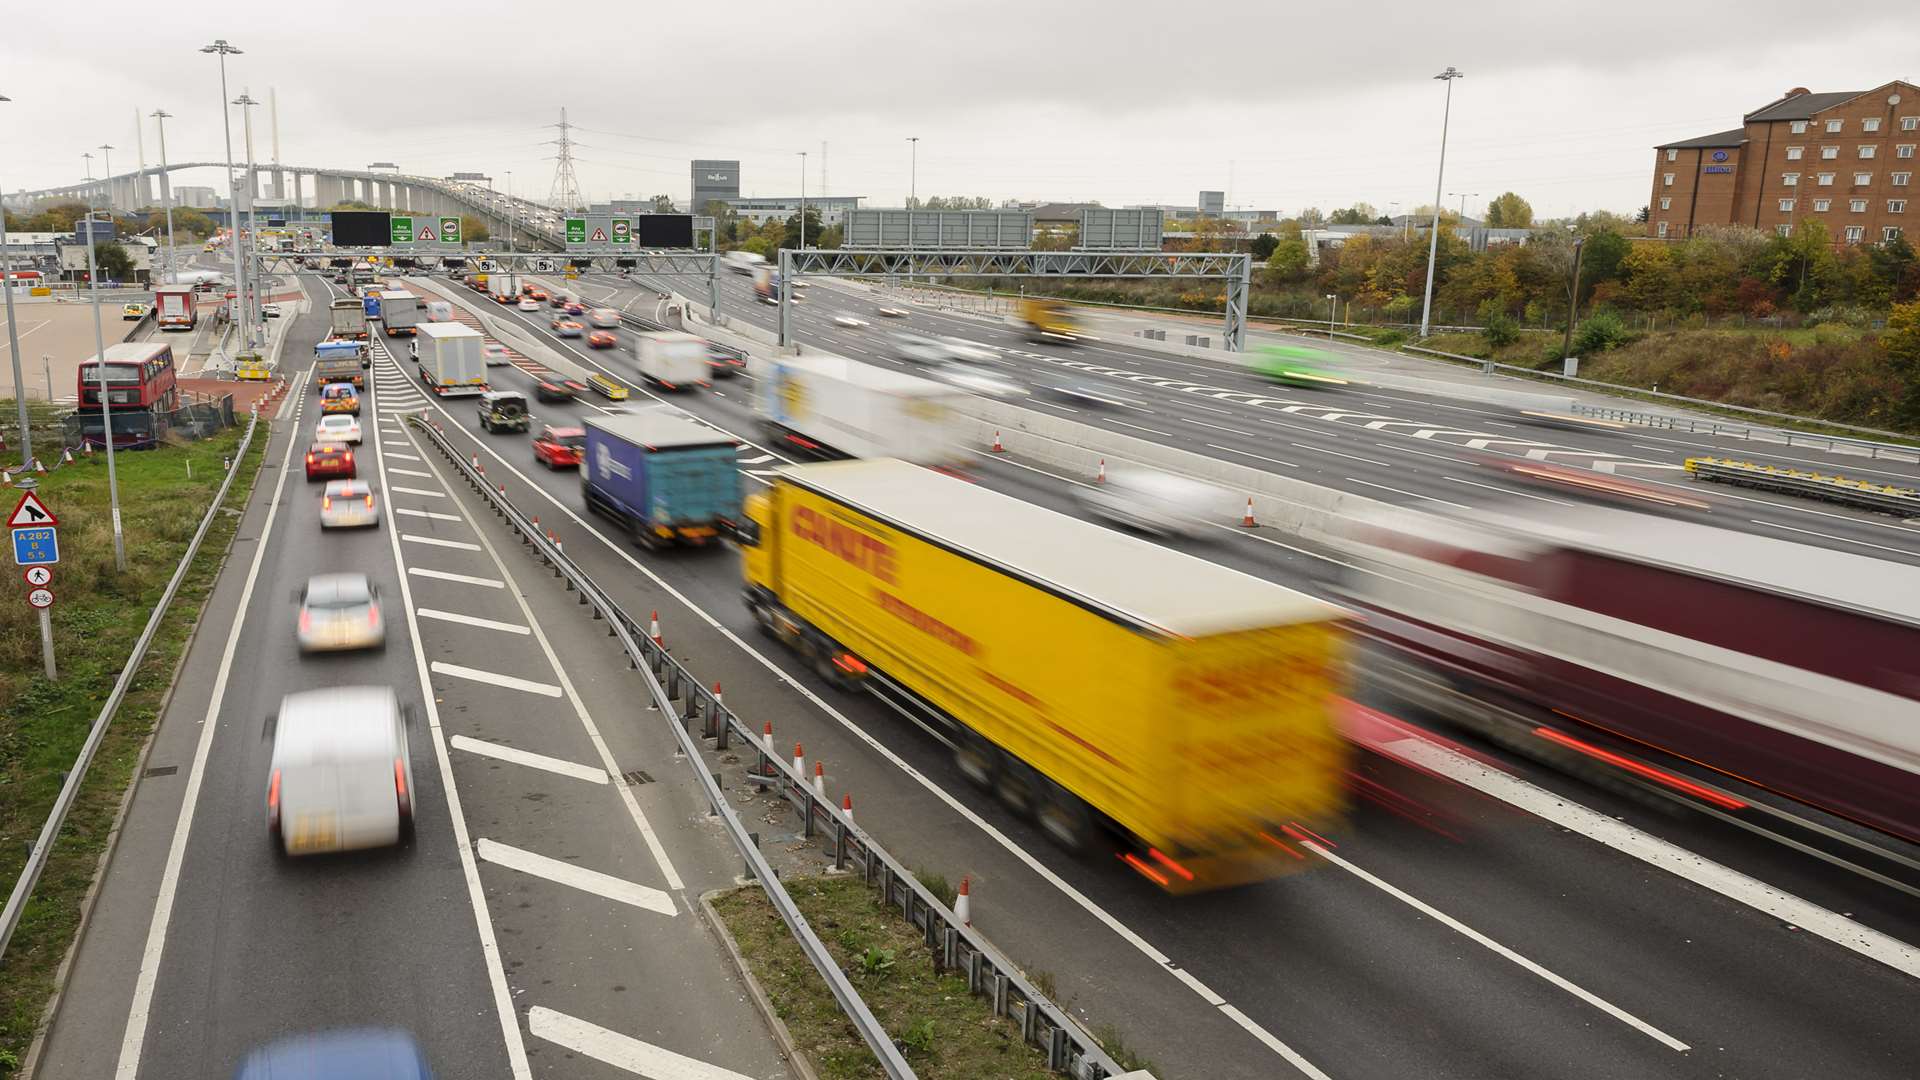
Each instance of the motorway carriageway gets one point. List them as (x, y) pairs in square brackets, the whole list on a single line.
[(542, 924), (1390, 445), (1512, 922)]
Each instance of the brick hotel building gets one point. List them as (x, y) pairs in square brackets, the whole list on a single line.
[(1846, 159)]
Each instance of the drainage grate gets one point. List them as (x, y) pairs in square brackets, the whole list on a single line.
[(161, 770), (636, 777)]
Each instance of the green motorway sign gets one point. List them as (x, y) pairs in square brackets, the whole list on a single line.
[(622, 231), (402, 230), (576, 230), (449, 230)]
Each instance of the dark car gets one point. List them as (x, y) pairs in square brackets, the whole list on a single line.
[(366, 1054), (561, 390), (330, 461)]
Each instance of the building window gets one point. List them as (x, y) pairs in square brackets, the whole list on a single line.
[(1663, 228), (1799, 127), (1855, 233), (1903, 150), (1871, 123), (1666, 203), (1910, 123), (1862, 179), (1891, 232), (1666, 179), (1786, 206), (1828, 153), (1867, 151), (1826, 179), (1791, 179), (1820, 205), (1783, 230), (1793, 152), (1896, 206), (1900, 179), (1834, 125), (1672, 154), (1858, 206)]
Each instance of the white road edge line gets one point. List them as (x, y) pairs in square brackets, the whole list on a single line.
[(1464, 930), (528, 758), (1654, 851), (1006, 843), (470, 620), (620, 1051), (493, 678), (577, 877), (133, 1038)]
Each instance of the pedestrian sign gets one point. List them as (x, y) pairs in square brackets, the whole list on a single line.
[(426, 233), (622, 231), (449, 230), (576, 230), (36, 545), (402, 230), (30, 511), (599, 236), (38, 576)]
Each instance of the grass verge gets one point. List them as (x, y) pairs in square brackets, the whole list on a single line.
[(944, 1031), (99, 616)]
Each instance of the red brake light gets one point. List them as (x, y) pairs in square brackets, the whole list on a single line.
[(306, 620), (369, 500), (1146, 871), (309, 459), (850, 664), (400, 786), (1163, 860), (326, 502), (373, 614), (273, 800)]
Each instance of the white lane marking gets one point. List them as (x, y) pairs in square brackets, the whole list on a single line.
[(1506, 491), (471, 620), (1771, 505), (1655, 449), (1136, 427), (494, 678), (528, 758), (434, 541), (398, 454), (1656, 852), (394, 442), (1464, 930), (425, 514), (1423, 453), (1830, 536), (1217, 427), (1248, 453), (1350, 457), (133, 1038), (578, 877), (759, 460), (1408, 494), (1006, 843), (621, 1051), (419, 491), (1052, 405), (464, 579), (408, 472)]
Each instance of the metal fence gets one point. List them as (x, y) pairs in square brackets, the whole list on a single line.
[(1886, 498), (694, 708), (1710, 426)]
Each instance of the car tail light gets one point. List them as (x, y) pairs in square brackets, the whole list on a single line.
[(373, 615), (400, 787), (309, 459), (273, 800), (369, 500), (326, 502), (306, 620), (1167, 862), (349, 457), (850, 664)]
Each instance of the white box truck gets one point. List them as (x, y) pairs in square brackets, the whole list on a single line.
[(451, 364), (399, 312), (830, 406), (671, 359), (501, 288), (743, 262)]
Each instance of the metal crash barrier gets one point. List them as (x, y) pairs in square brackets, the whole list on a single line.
[(1864, 493), (700, 714)]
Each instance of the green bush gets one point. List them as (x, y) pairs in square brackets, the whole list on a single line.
[(1599, 332), (1501, 330)]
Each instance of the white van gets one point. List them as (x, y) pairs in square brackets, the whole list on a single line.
[(341, 777)]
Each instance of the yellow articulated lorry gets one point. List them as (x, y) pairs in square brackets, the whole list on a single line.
[(1136, 701)]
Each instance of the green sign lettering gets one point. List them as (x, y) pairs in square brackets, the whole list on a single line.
[(402, 230), (576, 230)]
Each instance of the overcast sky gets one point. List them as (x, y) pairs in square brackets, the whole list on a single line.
[(1123, 102)]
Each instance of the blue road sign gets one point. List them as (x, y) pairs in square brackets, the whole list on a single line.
[(35, 546)]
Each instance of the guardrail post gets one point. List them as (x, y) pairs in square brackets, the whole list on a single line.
[(1057, 1049), (839, 844)]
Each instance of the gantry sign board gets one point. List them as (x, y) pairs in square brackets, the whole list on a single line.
[(969, 230), (618, 231), (406, 231), (1120, 230)]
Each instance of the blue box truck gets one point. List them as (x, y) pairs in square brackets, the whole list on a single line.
[(665, 478)]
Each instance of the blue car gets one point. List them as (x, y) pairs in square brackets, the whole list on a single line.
[(366, 1054)]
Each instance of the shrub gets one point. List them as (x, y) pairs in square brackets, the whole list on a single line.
[(1599, 332), (1501, 330)]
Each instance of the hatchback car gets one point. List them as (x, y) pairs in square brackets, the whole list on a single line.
[(602, 339), (558, 390), (604, 317), (348, 504), (368, 1054), (337, 428), (560, 447), (341, 777), (529, 304), (722, 365), (568, 328), (1156, 503), (576, 309), (341, 398), (133, 311), (326, 460), (495, 354), (340, 611)]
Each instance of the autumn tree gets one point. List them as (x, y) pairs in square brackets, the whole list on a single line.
[(1509, 211)]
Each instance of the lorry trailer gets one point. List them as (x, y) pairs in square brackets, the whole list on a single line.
[(830, 406), (666, 479)]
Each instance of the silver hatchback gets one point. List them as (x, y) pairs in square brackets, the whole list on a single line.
[(340, 612)]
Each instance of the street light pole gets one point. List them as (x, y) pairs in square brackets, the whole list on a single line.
[(223, 50), (250, 301), (1439, 185), (513, 284), (13, 346), (166, 187), (106, 404), (108, 165), (1573, 295), (1464, 196), (1333, 306), (803, 200), (913, 173)]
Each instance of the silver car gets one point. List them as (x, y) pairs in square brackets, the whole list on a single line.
[(1155, 503), (348, 504), (340, 612), (977, 379), (341, 777)]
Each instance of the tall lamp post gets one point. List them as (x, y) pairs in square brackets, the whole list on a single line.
[(1464, 196), (106, 405), (1439, 185), (803, 200), (160, 117), (1573, 294), (1333, 308), (13, 345), (224, 50), (250, 300), (913, 170)]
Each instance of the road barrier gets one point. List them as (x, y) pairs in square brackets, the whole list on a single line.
[(1711, 426), (678, 694), (1864, 493), (77, 773)]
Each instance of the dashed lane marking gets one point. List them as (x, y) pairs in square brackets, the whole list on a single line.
[(418, 491), (434, 541), (425, 514), (620, 1051)]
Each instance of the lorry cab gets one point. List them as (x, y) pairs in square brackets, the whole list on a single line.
[(756, 537)]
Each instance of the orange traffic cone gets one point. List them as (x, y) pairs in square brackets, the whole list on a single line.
[(963, 904), (799, 760), (997, 448), (820, 779), (846, 806), (766, 738), (1247, 521), (653, 628), (1102, 478)]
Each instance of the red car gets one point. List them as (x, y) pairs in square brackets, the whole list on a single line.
[(330, 461), (602, 339), (560, 447)]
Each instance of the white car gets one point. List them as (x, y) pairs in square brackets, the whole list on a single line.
[(495, 353), (341, 777), (348, 504), (338, 612), (849, 322), (977, 379), (605, 318), (894, 312), (338, 428), (528, 303), (1156, 503)]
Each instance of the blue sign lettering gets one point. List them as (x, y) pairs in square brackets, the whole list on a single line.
[(1719, 168)]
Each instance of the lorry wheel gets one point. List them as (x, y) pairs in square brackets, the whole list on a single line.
[(976, 759), (1065, 817), (1018, 786)]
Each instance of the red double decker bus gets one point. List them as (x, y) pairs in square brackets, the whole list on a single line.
[(141, 391)]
